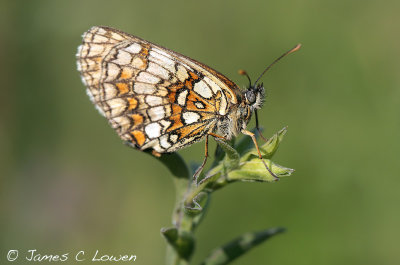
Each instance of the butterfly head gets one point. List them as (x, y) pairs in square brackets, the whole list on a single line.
[(254, 96), (251, 99)]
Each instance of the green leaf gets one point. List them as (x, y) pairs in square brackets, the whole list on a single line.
[(239, 246), (269, 148), (254, 170), (170, 234), (182, 241)]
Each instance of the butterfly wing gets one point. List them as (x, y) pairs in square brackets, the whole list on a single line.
[(153, 97)]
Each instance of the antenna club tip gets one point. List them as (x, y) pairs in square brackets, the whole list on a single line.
[(242, 72), (296, 48)]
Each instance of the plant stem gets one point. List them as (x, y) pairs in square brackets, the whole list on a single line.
[(180, 220)]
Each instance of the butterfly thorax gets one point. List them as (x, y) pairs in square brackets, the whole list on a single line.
[(234, 122), (240, 114)]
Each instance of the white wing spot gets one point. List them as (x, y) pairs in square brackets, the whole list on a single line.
[(134, 48), (190, 117), (112, 71), (96, 49), (173, 138), (117, 106), (202, 89), (138, 63), (123, 57), (109, 91), (116, 36), (199, 105), (156, 113), (157, 70), (100, 39), (153, 100), (165, 123), (182, 73), (162, 60), (147, 78), (99, 30), (161, 52), (153, 130), (182, 97), (215, 88), (222, 105), (143, 88), (164, 141), (122, 122)]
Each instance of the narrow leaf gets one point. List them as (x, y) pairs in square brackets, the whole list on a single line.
[(239, 246), (232, 157), (198, 202)]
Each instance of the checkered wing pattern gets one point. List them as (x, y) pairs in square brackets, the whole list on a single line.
[(153, 97)]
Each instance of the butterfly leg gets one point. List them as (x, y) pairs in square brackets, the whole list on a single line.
[(253, 137), (216, 136), (200, 168), (198, 171)]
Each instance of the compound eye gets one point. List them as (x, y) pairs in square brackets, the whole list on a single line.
[(250, 96)]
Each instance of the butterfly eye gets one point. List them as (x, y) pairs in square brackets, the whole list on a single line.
[(250, 96)]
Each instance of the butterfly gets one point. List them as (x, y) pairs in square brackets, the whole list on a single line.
[(157, 99)]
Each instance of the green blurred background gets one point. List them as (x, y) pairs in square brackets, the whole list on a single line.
[(69, 184)]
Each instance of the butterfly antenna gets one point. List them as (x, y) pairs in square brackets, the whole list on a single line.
[(297, 47), (243, 72)]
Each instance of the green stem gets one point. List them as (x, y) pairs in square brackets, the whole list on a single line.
[(181, 239), (173, 258)]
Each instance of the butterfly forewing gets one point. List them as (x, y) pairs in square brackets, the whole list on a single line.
[(153, 97)]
